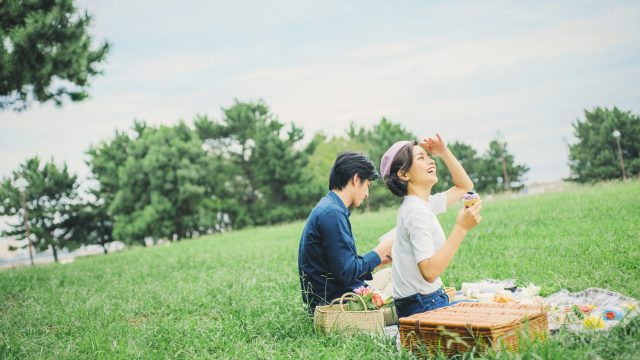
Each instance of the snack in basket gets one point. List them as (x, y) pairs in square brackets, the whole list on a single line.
[(470, 198)]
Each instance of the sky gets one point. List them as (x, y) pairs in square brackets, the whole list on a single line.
[(468, 70)]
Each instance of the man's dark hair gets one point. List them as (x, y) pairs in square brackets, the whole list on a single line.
[(348, 164), (402, 162)]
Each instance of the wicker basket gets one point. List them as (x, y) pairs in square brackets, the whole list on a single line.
[(457, 328), (334, 317)]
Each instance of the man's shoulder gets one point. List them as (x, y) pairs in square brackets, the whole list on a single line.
[(326, 208)]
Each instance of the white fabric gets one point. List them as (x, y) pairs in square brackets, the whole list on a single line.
[(382, 282), (419, 236)]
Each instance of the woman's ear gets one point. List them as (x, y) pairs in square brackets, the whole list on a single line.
[(402, 175)]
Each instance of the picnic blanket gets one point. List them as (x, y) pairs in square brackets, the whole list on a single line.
[(592, 308), (573, 310)]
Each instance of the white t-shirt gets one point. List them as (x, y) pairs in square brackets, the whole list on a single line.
[(419, 236)]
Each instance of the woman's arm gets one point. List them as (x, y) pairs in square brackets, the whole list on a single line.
[(434, 266), (467, 219), (462, 182)]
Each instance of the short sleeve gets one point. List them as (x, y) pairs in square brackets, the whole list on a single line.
[(420, 230), (438, 203)]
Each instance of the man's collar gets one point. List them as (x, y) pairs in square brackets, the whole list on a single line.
[(339, 201)]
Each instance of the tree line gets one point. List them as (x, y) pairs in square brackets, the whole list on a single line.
[(247, 168), (173, 182)]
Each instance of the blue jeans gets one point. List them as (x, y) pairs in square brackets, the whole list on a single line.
[(420, 303)]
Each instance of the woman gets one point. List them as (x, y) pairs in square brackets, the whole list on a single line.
[(421, 252)]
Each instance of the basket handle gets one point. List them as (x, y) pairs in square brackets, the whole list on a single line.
[(349, 296)]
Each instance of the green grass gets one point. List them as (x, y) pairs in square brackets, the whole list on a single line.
[(236, 295)]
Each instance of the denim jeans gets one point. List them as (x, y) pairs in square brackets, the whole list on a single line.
[(420, 303)]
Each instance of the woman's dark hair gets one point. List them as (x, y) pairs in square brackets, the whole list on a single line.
[(348, 164), (401, 162)]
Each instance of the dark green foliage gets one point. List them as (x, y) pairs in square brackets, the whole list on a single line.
[(263, 181), (489, 174), (91, 223), (247, 169), (160, 185), (45, 53), (469, 159), (595, 156), (380, 137), (486, 171), (105, 160), (49, 198), (325, 151), (376, 142)]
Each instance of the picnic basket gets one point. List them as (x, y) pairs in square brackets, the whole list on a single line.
[(457, 328), (334, 317)]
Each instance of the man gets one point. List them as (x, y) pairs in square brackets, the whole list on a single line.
[(328, 263)]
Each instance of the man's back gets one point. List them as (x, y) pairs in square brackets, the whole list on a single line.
[(328, 263)]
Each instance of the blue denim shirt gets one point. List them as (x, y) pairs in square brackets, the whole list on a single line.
[(328, 263)]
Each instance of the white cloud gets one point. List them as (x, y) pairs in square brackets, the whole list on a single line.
[(529, 75), (435, 84), (167, 70)]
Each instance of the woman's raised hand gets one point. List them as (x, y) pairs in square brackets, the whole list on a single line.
[(435, 146), (469, 217)]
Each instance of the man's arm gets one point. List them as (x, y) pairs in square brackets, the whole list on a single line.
[(345, 264)]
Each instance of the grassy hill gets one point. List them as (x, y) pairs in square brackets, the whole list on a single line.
[(236, 295)]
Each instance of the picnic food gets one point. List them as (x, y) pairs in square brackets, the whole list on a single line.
[(470, 198), (503, 296)]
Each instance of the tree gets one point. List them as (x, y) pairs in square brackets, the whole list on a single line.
[(468, 158), (45, 53), (380, 137), (497, 170), (264, 175), (377, 140), (161, 186), (595, 156), (91, 223), (105, 161), (325, 151), (487, 171), (49, 197)]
